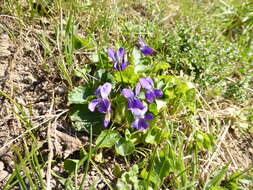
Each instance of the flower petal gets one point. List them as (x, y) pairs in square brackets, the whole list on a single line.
[(105, 90), (127, 93), (158, 93), (120, 67), (147, 50), (138, 89), (151, 82), (112, 54), (137, 104), (140, 124), (150, 96), (147, 83), (106, 123), (141, 42), (123, 65), (98, 91), (104, 106), (135, 123), (149, 117), (116, 66), (107, 119), (139, 113), (93, 104), (121, 53)]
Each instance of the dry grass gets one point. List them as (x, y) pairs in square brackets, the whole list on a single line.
[(30, 77)]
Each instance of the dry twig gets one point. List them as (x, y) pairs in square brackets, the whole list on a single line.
[(50, 147), (221, 138)]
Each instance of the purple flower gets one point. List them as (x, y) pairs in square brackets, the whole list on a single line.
[(141, 118), (146, 51), (151, 93), (133, 102), (102, 102), (119, 60), (138, 110)]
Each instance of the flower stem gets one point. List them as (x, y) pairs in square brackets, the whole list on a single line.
[(122, 81)]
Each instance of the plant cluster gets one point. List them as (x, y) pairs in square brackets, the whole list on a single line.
[(136, 92), (138, 101), (135, 105), (159, 106)]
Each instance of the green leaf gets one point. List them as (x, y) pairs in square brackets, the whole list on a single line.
[(214, 181), (232, 185), (204, 141), (170, 94), (82, 72), (70, 165), (83, 119), (79, 43), (161, 167), (140, 68), (161, 66), (160, 104), (136, 58), (107, 138), (121, 112), (117, 171), (153, 109), (128, 75), (152, 136), (79, 95), (152, 176), (105, 76), (124, 147), (129, 180)]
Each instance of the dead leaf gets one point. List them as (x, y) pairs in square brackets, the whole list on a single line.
[(4, 45), (66, 144)]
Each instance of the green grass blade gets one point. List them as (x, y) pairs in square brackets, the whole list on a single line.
[(214, 181)]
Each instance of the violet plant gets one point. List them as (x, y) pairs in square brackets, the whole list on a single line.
[(128, 101), (102, 102), (126, 83), (118, 58), (138, 108), (141, 118), (133, 101), (148, 85), (146, 50)]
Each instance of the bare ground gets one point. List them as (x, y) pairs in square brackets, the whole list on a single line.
[(42, 96)]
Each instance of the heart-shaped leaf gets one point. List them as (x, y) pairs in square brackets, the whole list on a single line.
[(124, 147), (107, 138)]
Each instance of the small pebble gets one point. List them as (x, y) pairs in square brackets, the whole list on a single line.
[(7, 158), (60, 90), (3, 175), (92, 173), (94, 178), (56, 169), (101, 185)]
